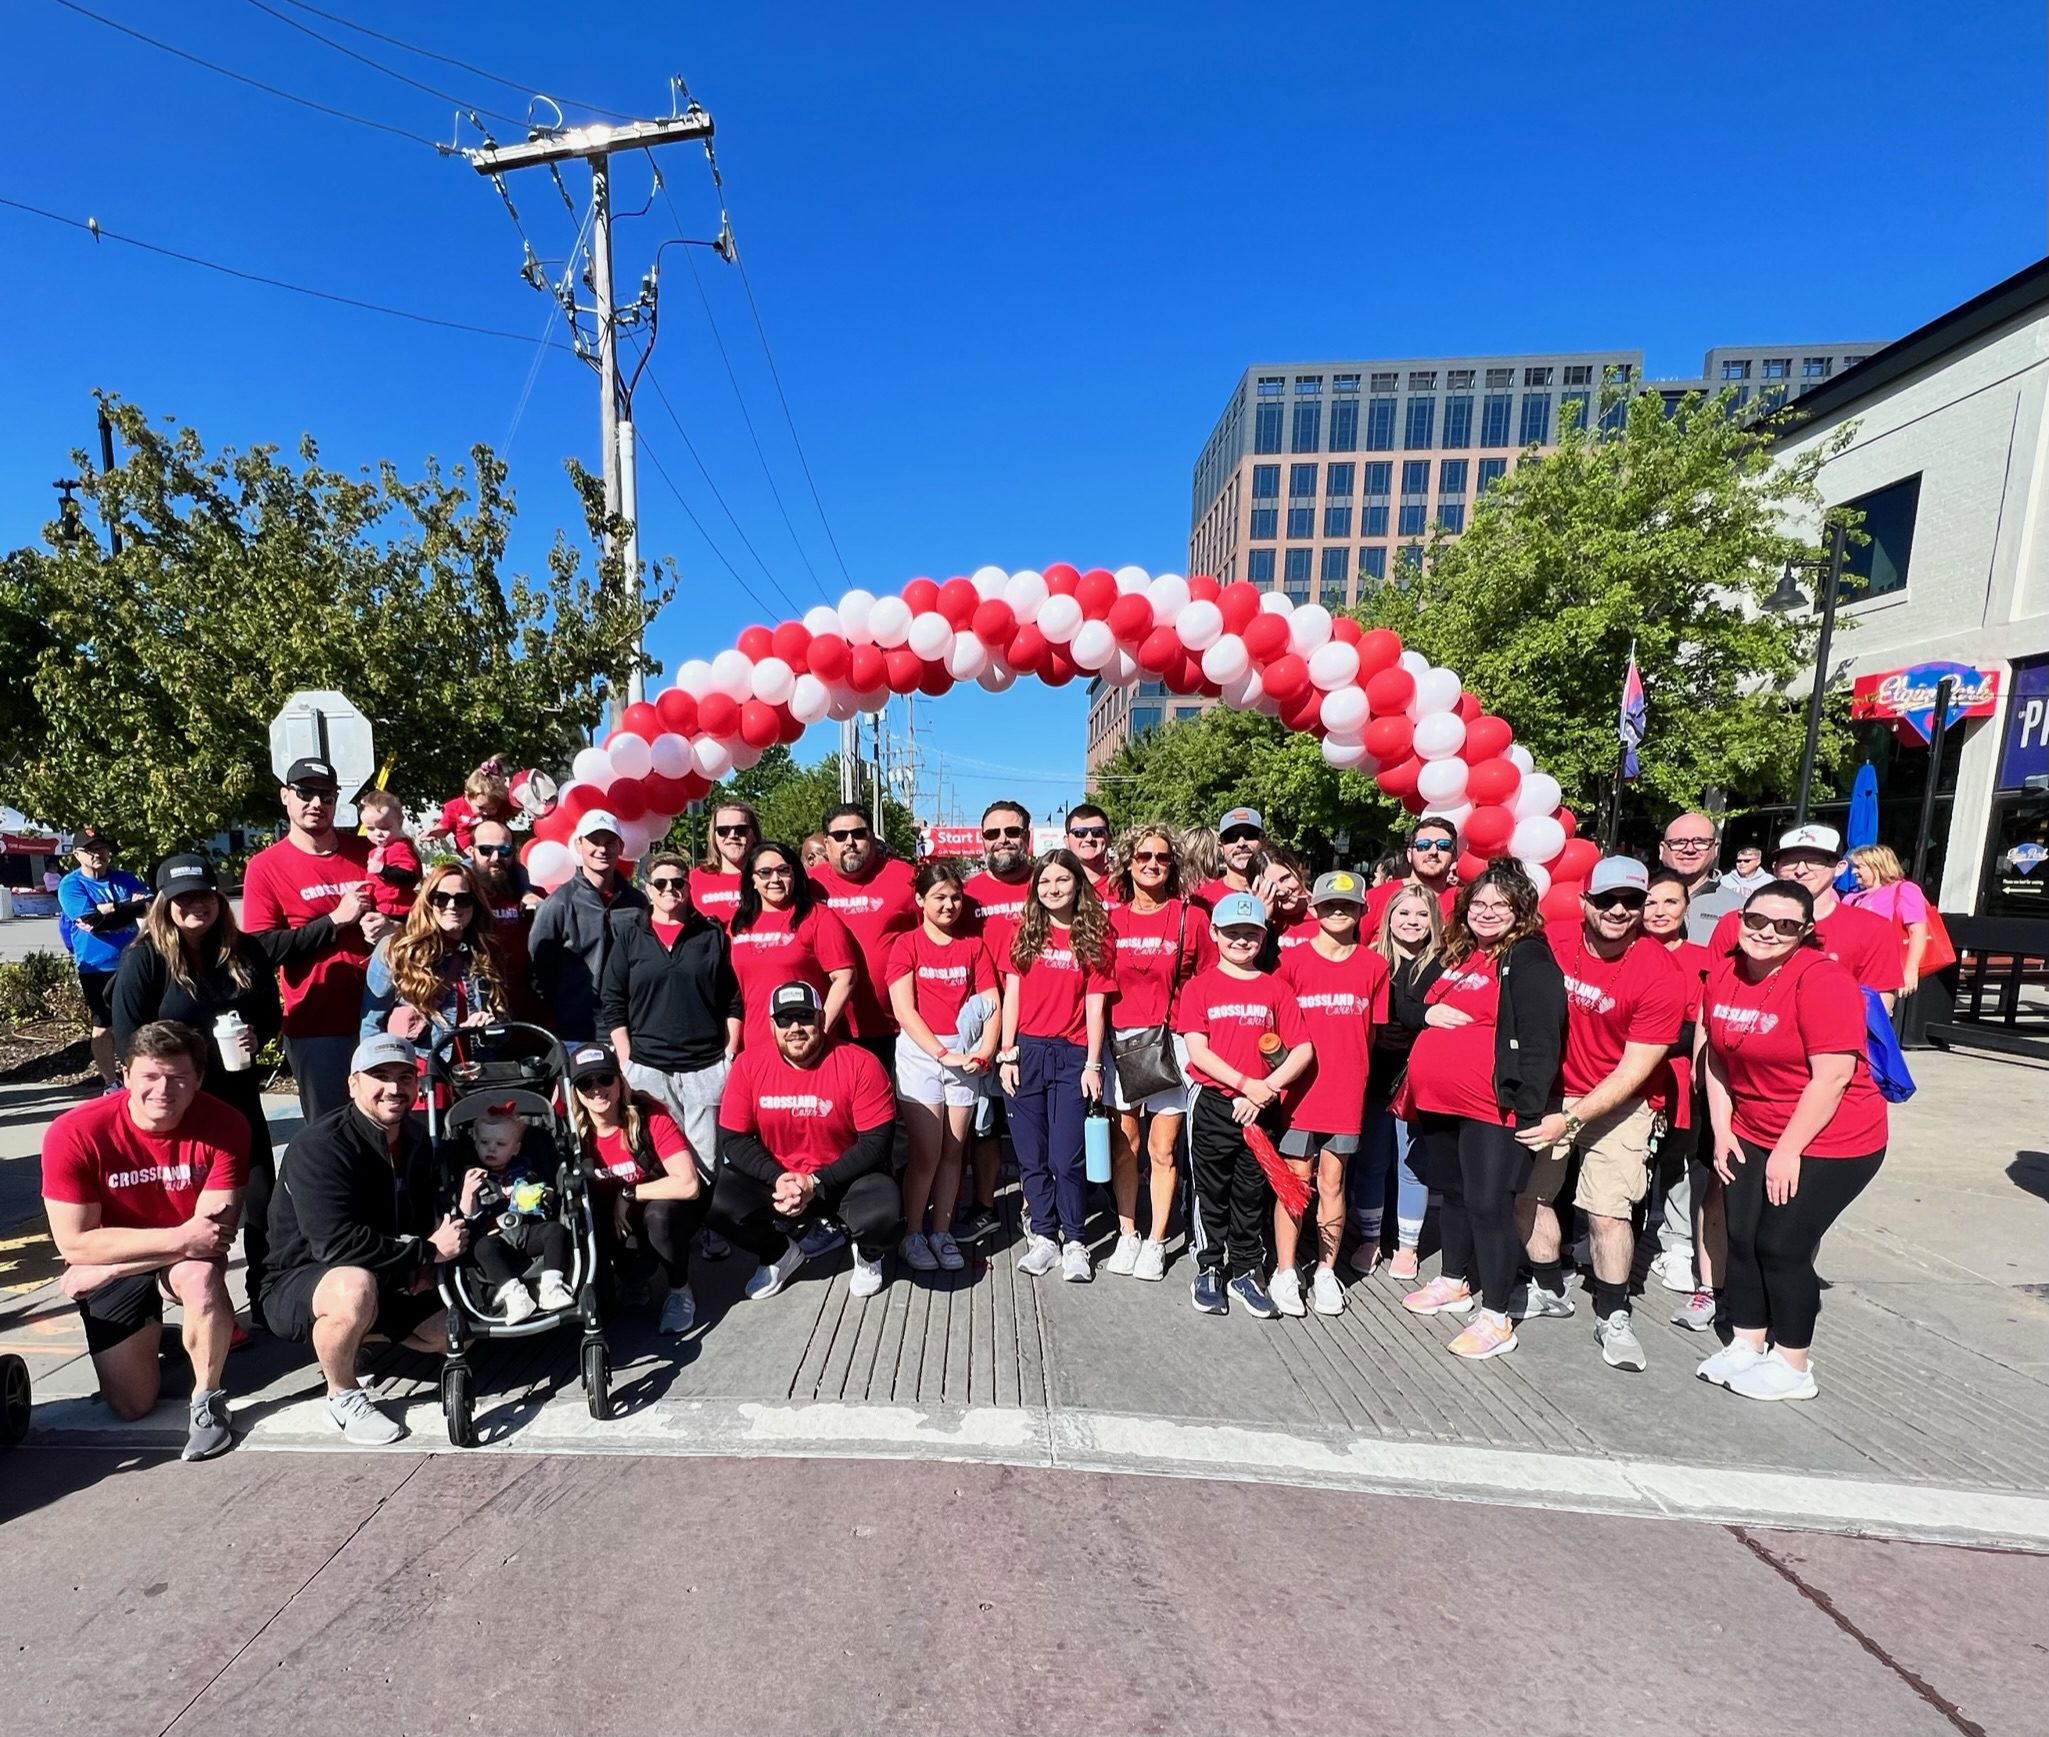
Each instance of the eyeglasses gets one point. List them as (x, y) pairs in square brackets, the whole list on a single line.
[(450, 901), (668, 884), (852, 835), (603, 1082), (1615, 901), (1786, 928), (1689, 844), (314, 792), (1477, 909), (782, 873), (1088, 832), (993, 833), (1139, 856), (1434, 846), (490, 850), (741, 831)]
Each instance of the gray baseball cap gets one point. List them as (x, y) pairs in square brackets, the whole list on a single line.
[(382, 1051)]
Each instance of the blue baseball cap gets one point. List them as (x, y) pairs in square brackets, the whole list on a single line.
[(1247, 818), (1234, 909)]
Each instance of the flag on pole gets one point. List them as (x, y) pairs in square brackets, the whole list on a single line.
[(1634, 716)]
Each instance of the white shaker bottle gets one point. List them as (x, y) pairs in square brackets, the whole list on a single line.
[(236, 1042)]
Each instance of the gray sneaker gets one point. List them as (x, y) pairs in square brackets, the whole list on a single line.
[(1041, 1256), (1534, 1303), (359, 1420), (1697, 1313), (1620, 1347), (209, 1434)]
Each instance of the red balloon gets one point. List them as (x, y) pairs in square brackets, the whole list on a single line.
[(1131, 618), (1379, 648), (1186, 677), (756, 642), (1468, 707), (1560, 903), (1096, 593), (555, 825), (678, 712), (935, 679), (793, 645), (695, 785), (1488, 829), (718, 715), (1388, 739), (1286, 678), (994, 623), (1062, 580), (1304, 711), (1240, 603), (758, 724), (1203, 588), (922, 595), (1399, 779), (1266, 636), (1487, 738), (830, 656), (1390, 692), (1491, 781), (1567, 819), (642, 720), (958, 601), (906, 669), (1160, 651), (664, 795), (1343, 627), (866, 671), (1576, 861), (789, 727), (1469, 867), (1027, 650), (1059, 669), (625, 798), (578, 799)]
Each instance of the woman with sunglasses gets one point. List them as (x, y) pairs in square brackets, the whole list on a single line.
[(1056, 979), (1160, 940), (1799, 1132), (1410, 937), (717, 884), (783, 932), (1485, 1065), (649, 1197), (1693, 1243), (443, 969)]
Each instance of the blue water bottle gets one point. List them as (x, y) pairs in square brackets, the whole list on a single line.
[(1095, 1144)]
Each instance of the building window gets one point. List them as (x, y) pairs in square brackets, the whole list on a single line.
[(1271, 386), (1537, 376), (1815, 367), (1580, 374), (1408, 559), (1301, 521), (1264, 521), (1152, 690), (1452, 516), (1536, 427), (1373, 520), (1342, 383), (1145, 719), (1301, 482), (1458, 421), (1423, 380), (1451, 476), (1415, 476), (1420, 424), (1411, 520), (1491, 471), (1494, 410), (1851, 361), (1735, 370), (1337, 521), (1308, 385), (1880, 565), (1572, 411), (1379, 476), (1344, 425), (1615, 417), (1459, 379), (1266, 429), (1380, 425), (1373, 563), (1259, 566), (1337, 568), (1385, 382), (1778, 367), (1297, 570), (1308, 428), (1266, 482), (1500, 377), (1337, 480)]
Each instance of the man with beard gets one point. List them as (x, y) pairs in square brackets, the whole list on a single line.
[(514, 900), (869, 891), (996, 899)]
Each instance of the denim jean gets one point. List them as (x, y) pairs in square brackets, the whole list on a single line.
[(1387, 1143)]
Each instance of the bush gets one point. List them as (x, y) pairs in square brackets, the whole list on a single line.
[(40, 989)]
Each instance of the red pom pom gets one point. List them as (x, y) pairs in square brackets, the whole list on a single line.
[(755, 643), (935, 679), (958, 601), (994, 623), (1488, 830), (1345, 628), (830, 656), (1491, 781), (1027, 650), (1266, 636), (1379, 648), (1399, 779), (1390, 692), (1487, 738), (1131, 618), (642, 720), (718, 715), (1240, 603), (1388, 739), (1160, 651), (625, 798), (866, 671), (1203, 588), (678, 712), (793, 645), (906, 669), (1062, 580), (1096, 593), (1560, 904), (1287, 677)]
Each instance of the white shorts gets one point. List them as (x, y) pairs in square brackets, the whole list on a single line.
[(1172, 1102), (920, 1079)]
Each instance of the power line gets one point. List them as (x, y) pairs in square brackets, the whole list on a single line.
[(379, 66), (253, 83), (662, 471), (100, 233)]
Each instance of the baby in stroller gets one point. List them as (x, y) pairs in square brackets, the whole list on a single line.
[(516, 1230)]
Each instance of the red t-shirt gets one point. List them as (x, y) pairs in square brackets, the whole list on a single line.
[(1764, 1034), (665, 933), (1298, 934), (1866, 946), (286, 888), (1146, 962), (1451, 1068), (459, 821), (1103, 889), (806, 1117), (95, 1155), (875, 911), (947, 973), (1231, 1014), (617, 1163), (1211, 891), (772, 952), (1342, 1000), (992, 900), (1673, 1082), (387, 898), (1638, 998), (716, 894), (1380, 897), (1053, 990)]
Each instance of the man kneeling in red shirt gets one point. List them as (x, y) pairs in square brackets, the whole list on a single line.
[(143, 1192)]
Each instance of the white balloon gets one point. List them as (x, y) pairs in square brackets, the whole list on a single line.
[(1537, 794), (549, 864), (989, 582), (1227, 660), (1093, 645), (810, 699), (1415, 663), (1344, 710), (872, 702), (1333, 664), (714, 759), (967, 657), (1441, 781), (630, 755), (1246, 693), (1458, 814), (1131, 579), (745, 754), (853, 613), (1520, 757), (591, 766), (1540, 877), (634, 838), (1437, 690), (1123, 669), (1276, 603), (1308, 628), (843, 706), (1343, 750), (996, 678), (774, 680), (1537, 838), (1025, 592), (1199, 625), (931, 635), (694, 678), (671, 754), (1058, 618), (732, 673), (1169, 596), (1440, 735), (890, 622), (823, 618)]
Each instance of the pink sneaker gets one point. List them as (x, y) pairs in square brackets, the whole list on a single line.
[(1404, 1264), (1486, 1335), (1441, 1296)]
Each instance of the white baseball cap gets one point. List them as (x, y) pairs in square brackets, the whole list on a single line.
[(1619, 874), (1822, 838), (600, 820)]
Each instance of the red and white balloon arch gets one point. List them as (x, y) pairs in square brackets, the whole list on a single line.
[(1378, 709)]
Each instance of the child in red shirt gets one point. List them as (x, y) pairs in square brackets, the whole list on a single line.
[(394, 863)]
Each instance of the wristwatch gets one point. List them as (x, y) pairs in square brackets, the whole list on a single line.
[(1573, 1126)]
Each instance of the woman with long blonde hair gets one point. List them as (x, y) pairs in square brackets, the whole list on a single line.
[(443, 968), (1410, 939), (1884, 890)]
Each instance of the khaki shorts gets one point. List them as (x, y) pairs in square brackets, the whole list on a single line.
[(1615, 1161)]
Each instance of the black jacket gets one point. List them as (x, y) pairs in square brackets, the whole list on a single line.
[(1408, 981), (1529, 1033), (567, 945), (673, 1001), (343, 1199)]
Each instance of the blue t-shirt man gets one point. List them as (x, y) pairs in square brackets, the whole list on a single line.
[(97, 906)]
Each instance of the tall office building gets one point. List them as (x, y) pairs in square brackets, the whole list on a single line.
[(1319, 479)]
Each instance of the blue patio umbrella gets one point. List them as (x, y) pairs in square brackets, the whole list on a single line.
[(1863, 824)]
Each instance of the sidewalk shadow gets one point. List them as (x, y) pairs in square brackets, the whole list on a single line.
[(36, 1477), (2029, 1172)]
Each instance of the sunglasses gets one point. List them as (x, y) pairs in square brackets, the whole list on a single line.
[(603, 1082), (1088, 832), (1138, 856), (774, 874), (450, 901), (741, 831), (1616, 901), (1241, 835), (668, 884), (852, 836), (491, 850), (314, 792), (786, 1020), (993, 833), (1434, 846), (1786, 928)]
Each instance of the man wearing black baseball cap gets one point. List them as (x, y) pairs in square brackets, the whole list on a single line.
[(805, 1131), (97, 908)]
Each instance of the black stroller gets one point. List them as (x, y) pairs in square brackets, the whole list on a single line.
[(521, 1067)]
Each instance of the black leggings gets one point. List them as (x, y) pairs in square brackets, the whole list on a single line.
[(544, 1248), (1479, 1167), (1772, 1286), (662, 1228)]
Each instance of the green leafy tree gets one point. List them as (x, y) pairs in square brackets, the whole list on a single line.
[(244, 576), (791, 800)]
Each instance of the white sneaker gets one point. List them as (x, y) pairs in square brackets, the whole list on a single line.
[(946, 1251), (1151, 1264), (1123, 1259), (1729, 1362), (918, 1255), (1620, 1347), (1674, 1270), (514, 1302), (771, 1276), (679, 1312), (555, 1292), (1286, 1291), (866, 1278), (1074, 1263), (352, 1412), (1326, 1295), (1772, 1377), (822, 1238), (1041, 1256)]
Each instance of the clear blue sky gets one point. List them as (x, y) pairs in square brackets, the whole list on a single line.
[(1011, 259)]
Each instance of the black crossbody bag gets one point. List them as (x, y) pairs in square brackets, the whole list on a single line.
[(1145, 1059)]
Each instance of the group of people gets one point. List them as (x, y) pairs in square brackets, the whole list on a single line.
[(785, 1049)]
